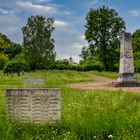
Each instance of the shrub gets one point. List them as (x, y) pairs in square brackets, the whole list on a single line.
[(16, 66)]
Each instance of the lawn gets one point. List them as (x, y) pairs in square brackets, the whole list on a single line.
[(86, 114)]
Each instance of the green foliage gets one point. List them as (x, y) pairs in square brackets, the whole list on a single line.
[(136, 49), (62, 64), (4, 44), (91, 64), (84, 53), (16, 66), (38, 42), (8, 50), (14, 50), (102, 30)]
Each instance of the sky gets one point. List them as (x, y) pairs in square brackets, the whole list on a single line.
[(69, 20)]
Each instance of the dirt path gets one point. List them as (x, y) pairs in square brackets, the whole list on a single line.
[(102, 83)]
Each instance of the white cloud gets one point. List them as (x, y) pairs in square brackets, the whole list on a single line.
[(82, 37), (8, 25), (67, 13), (37, 7), (43, 1), (12, 28), (134, 13), (93, 1), (59, 23), (77, 45), (5, 11)]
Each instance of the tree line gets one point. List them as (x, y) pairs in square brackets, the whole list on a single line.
[(102, 29)]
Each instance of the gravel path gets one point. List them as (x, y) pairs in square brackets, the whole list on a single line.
[(102, 83)]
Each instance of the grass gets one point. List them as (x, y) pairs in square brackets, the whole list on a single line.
[(112, 75), (86, 114)]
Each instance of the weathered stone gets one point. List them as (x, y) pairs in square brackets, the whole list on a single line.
[(127, 76), (34, 82), (126, 71), (34, 105)]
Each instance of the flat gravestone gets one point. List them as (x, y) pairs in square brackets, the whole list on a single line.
[(34, 82), (34, 105)]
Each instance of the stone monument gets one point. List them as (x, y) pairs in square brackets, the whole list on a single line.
[(34, 82), (127, 76), (34, 105)]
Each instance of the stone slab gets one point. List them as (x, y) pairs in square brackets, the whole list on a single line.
[(34, 105), (34, 82)]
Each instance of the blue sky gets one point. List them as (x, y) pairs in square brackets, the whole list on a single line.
[(69, 19)]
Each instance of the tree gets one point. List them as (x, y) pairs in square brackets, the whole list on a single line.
[(84, 52), (4, 44), (38, 42), (14, 50), (102, 30), (136, 48), (8, 50)]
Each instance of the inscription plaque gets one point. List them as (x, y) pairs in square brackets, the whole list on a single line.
[(34, 105)]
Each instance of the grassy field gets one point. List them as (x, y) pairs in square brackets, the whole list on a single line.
[(86, 114), (112, 75)]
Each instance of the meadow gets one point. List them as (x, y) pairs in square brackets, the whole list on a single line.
[(86, 114)]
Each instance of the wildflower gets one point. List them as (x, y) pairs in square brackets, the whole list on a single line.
[(110, 136), (68, 132), (94, 137)]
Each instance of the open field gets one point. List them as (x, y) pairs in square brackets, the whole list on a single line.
[(86, 114)]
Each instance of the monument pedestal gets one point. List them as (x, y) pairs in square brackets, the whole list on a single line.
[(125, 84), (127, 76)]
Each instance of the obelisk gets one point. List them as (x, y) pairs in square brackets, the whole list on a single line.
[(127, 76)]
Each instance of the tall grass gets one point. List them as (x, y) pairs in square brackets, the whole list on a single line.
[(100, 114), (112, 75), (58, 77), (86, 114)]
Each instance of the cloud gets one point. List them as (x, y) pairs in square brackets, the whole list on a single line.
[(67, 34), (12, 28), (59, 23), (37, 7), (82, 37), (92, 2), (39, 1), (135, 13), (77, 45), (8, 24), (5, 11)]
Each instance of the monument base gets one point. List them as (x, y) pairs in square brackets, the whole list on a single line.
[(127, 77), (125, 84), (126, 80)]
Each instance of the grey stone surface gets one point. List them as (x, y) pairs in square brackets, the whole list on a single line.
[(127, 76), (34, 82), (126, 70), (34, 105)]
